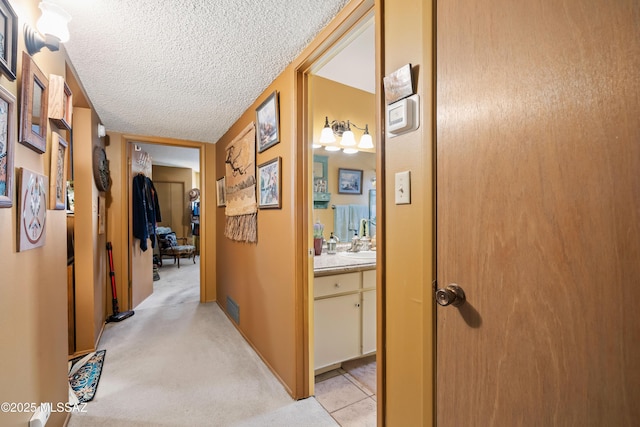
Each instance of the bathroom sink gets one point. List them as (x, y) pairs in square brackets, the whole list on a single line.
[(359, 255)]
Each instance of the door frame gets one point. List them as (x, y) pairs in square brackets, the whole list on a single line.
[(127, 236), (353, 13)]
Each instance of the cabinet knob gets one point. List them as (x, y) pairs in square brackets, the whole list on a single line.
[(337, 285), (357, 305)]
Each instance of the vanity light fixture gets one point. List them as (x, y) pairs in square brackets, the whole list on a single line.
[(343, 130), (51, 29)]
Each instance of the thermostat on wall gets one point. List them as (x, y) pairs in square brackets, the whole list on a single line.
[(403, 116)]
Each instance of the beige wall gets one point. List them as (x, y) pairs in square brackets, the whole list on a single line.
[(409, 266), (195, 179), (209, 172), (254, 275), (33, 290), (118, 218), (90, 247), (268, 280)]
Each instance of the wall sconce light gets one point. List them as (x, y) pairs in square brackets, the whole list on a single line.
[(52, 29), (343, 130)]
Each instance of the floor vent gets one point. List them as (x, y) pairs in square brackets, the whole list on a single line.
[(233, 310)]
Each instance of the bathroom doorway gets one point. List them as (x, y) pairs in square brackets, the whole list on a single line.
[(341, 122)]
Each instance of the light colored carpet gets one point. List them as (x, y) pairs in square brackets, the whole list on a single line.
[(177, 362)]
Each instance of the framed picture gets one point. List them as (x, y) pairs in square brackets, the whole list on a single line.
[(349, 181), (58, 173), (34, 106), (70, 197), (8, 40), (33, 210), (220, 193), (102, 213), (60, 102), (398, 84), (320, 168), (270, 182), (267, 129), (7, 137)]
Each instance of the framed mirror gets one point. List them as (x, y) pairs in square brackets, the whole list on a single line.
[(34, 106)]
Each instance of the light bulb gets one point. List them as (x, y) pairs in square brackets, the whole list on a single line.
[(348, 140), (53, 21), (327, 136)]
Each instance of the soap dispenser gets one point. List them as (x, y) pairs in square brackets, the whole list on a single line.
[(355, 243), (332, 243)]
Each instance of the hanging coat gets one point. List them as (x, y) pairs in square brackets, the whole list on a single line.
[(146, 210)]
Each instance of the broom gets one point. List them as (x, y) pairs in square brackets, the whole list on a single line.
[(117, 316)]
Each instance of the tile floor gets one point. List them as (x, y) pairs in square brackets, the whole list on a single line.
[(349, 393)]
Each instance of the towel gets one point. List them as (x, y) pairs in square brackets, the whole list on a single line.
[(356, 213), (341, 222)]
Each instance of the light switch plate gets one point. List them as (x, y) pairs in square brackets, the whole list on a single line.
[(403, 188)]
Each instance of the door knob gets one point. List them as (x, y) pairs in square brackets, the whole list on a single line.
[(451, 295)]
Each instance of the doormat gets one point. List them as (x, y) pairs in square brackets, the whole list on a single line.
[(84, 375)]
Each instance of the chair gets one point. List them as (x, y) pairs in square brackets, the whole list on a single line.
[(174, 247)]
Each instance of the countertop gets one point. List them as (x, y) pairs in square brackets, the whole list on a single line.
[(325, 264)]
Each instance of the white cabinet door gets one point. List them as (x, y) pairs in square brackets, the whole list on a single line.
[(368, 279), (368, 321), (337, 329)]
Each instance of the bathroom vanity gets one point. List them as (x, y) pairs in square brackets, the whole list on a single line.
[(344, 291)]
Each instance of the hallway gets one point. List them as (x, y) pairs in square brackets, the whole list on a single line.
[(177, 362)]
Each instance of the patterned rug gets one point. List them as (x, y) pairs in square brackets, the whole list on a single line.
[(85, 374)]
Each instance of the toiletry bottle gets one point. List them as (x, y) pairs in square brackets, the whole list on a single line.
[(331, 244)]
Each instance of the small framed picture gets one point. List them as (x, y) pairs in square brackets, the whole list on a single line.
[(398, 84), (349, 181), (58, 173), (7, 146), (34, 106), (102, 213), (221, 192), (267, 129), (8, 40), (270, 182)]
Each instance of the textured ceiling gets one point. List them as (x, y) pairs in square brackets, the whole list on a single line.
[(185, 69)]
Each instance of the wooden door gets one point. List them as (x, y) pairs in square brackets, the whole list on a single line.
[(173, 204), (538, 212)]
